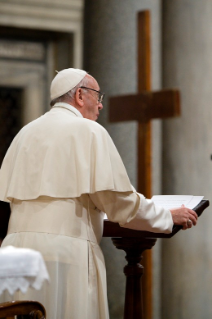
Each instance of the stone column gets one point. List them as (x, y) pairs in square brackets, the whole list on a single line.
[(110, 50), (187, 166)]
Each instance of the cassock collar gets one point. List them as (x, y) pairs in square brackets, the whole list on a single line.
[(68, 107)]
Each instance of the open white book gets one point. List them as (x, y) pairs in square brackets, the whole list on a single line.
[(174, 201)]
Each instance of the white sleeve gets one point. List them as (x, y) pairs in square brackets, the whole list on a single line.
[(151, 218), (134, 211)]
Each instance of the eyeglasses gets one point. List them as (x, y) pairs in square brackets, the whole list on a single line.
[(100, 94)]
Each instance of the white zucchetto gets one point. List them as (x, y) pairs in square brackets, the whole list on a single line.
[(64, 81)]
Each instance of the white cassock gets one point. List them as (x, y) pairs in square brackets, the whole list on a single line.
[(60, 174)]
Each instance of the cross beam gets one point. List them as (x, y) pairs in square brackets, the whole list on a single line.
[(145, 106)]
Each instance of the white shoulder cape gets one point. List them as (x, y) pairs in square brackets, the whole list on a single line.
[(61, 155)]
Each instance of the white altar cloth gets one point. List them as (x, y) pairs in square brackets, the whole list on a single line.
[(21, 268)]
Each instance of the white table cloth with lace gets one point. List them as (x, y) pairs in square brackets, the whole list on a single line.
[(21, 268)]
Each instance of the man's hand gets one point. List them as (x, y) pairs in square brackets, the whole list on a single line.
[(184, 216)]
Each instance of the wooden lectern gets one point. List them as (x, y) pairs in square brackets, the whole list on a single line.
[(134, 243)]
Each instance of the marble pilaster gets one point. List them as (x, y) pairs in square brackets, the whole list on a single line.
[(187, 166)]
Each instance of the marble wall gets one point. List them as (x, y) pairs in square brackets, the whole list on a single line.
[(110, 55), (187, 64)]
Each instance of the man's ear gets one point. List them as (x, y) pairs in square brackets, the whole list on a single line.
[(79, 97)]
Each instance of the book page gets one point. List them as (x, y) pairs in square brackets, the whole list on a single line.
[(174, 201), (194, 201)]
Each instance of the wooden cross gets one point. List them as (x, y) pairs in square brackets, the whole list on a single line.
[(143, 107)]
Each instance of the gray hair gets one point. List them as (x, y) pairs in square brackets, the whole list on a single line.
[(70, 94)]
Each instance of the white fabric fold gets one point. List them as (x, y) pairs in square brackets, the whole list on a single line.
[(66, 232), (61, 155), (68, 107), (150, 217), (134, 211), (21, 268)]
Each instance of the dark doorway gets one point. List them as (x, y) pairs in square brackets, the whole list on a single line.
[(10, 116)]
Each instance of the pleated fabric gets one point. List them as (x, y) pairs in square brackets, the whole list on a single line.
[(69, 246)]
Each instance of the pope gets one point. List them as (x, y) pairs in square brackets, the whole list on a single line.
[(60, 175)]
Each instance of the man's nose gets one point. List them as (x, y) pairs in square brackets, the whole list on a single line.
[(100, 106)]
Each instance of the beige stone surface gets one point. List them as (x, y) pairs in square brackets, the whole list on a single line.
[(56, 15), (187, 258)]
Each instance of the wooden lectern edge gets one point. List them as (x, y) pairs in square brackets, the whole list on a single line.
[(115, 230)]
